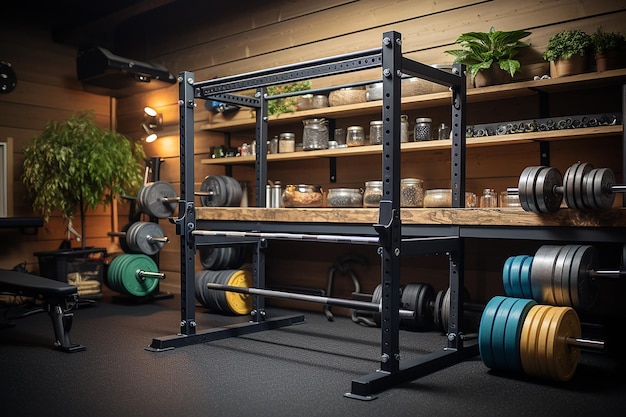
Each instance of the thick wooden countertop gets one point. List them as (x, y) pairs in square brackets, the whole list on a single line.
[(614, 218)]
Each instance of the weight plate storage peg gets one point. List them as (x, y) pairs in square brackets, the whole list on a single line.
[(157, 199)]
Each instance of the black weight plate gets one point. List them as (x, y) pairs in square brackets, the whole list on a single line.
[(560, 280), (588, 197), (526, 187), (235, 192), (603, 196), (141, 238), (578, 186), (424, 302), (214, 185), (208, 257), (542, 272), (568, 186), (152, 199), (582, 285), (376, 297), (437, 309), (548, 201)]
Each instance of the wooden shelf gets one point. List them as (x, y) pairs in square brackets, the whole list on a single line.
[(245, 119), (553, 135)]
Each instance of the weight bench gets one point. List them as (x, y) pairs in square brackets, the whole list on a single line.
[(58, 298)]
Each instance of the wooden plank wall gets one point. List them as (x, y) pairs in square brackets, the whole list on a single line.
[(215, 39)]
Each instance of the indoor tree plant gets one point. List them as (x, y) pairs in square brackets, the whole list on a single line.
[(490, 53), (75, 166), (608, 47), (567, 51)]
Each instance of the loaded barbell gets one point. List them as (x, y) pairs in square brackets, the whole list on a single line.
[(557, 275), (521, 336), (141, 237), (541, 189)]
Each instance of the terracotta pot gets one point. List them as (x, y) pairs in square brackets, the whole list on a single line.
[(607, 60), (492, 76), (577, 64)]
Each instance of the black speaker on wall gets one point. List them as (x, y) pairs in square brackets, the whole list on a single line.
[(102, 72)]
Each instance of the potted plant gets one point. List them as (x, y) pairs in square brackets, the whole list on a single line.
[(75, 166), (566, 52), (608, 47), (490, 55)]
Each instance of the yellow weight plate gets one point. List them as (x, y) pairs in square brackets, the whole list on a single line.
[(546, 366), (525, 349), (563, 356), (239, 303), (532, 366)]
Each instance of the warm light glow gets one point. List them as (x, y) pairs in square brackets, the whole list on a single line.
[(151, 138), (150, 111)]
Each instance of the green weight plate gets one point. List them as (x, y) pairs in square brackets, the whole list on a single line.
[(485, 330), (584, 289), (513, 331), (542, 272), (548, 200), (133, 285), (151, 199), (525, 279), (506, 276), (603, 196), (516, 278), (498, 333)]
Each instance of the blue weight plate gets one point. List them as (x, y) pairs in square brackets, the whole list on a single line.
[(498, 333), (486, 328), (527, 291), (512, 333), (516, 284), (506, 276)]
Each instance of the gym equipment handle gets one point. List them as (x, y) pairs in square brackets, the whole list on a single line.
[(141, 274)]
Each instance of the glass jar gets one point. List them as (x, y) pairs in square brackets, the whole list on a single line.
[(509, 200), (373, 193), (319, 101), (443, 131), (355, 136), (376, 132), (411, 192), (302, 195), (422, 129), (340, 136), (315, 134), (344, 197), (489, 198), (273, 145), (404, 128), (286, 142)]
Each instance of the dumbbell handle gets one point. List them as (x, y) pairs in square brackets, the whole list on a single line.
[(588, 344), (141, 274)]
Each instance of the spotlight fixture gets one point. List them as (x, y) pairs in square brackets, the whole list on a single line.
[(152, 121)]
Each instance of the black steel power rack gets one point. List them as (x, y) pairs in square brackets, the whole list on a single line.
[(387, 233)]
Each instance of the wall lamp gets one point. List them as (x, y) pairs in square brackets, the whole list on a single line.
[(152, 121)]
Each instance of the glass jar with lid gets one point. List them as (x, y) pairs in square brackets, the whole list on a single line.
[(411, 192), (344, 197), (373, 193), (376, 132), (302, 195), (404, 128), (422, 129), (355, 136), (286, 142), (315, 134), (489, 198)]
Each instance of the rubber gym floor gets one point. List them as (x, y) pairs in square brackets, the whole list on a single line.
[(300, 370)]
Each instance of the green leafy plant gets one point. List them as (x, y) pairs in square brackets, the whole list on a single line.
[(603, 41), (565, 44), (76, 165), (482, 49), (287, 104)]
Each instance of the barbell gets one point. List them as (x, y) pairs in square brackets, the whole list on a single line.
[(141, 237), (557, 275), (316, 299), (521, 336), (541, 189), (133, 274)]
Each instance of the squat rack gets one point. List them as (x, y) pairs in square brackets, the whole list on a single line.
[(391, 244)]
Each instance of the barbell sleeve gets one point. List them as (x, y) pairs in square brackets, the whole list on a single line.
[(588, 344), (337, 302), (141, 274), (152, 239)]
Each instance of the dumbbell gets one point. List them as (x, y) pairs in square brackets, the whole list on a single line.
[(521, 336), (141, 237), (541, 189), (556, 275)]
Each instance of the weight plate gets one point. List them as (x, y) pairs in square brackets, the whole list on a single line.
[(424, 310), (376, 297), (530, 361), (526, 187), (542, 272), (122, 239), (515, 276), (513, 331), (239, 303), (126, 275), (141, 234), (498, 333), (506, 276), (525, 279), (562, 273), (445, 311), (603, 196), (588, 197), (564, 357), (417, 298), (151, 199), (437, 310), (579, 170), (235, 192), (548, 200), (583, 287), (531, 188), (485, 330), (544, 366)]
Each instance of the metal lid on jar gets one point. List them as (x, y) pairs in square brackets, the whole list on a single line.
[(287, 135), (376, 123), (411, 181), (355, 129), (373, 184), (423, 120)]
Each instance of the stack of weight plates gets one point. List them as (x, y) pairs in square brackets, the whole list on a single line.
[(222, 301), (122, 275), (224, 257), (225, 191)]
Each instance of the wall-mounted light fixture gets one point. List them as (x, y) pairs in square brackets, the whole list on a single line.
[(152, 121)]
